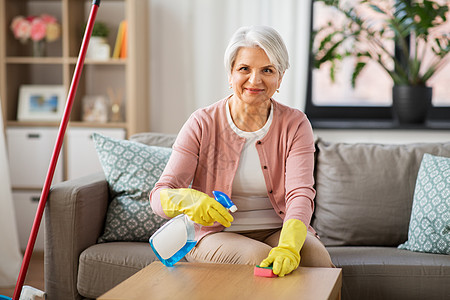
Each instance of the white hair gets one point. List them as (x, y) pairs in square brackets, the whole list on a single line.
[(264, 37)]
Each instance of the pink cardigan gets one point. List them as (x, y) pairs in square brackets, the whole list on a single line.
[(206, 153)]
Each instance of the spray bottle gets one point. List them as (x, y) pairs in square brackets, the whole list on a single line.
[(176, 238)]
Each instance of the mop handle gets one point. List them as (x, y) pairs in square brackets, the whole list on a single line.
[(56, 150)]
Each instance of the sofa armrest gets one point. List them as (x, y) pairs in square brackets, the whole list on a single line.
[(74, 219)]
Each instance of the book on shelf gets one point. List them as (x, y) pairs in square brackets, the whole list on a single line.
[(123, 49), (121, 41)]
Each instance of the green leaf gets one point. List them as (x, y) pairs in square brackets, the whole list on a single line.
[(326, 40), (333, 72), (358, 68), (377, 9), (414, 68), (330, 54), (428, 73)]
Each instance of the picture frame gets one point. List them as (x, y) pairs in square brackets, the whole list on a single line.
[(41, 102)]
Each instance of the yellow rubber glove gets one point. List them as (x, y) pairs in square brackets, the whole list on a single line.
[(286, 256), (200, 207)]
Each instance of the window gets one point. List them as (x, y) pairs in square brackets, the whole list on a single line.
[(371, 99)]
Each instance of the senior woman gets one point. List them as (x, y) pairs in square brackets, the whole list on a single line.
[(256, 150)]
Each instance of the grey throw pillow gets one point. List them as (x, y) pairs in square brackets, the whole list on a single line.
[(429, 227), (131, 170), (365, 191)]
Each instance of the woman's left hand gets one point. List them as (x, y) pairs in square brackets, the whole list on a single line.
[(285, 258)]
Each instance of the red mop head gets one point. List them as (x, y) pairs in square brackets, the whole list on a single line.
[(264, 272)]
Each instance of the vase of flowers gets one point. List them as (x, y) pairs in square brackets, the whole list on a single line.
[(38, 29)]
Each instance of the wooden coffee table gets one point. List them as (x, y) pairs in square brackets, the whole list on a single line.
[(220, 281)]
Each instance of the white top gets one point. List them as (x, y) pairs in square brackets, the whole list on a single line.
[(249, 191)]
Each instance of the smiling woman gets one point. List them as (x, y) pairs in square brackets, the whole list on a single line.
[(260, 153)]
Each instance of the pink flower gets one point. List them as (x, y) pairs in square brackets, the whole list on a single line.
[(48, 19), (21, 28), (15, 22), (38, 29)]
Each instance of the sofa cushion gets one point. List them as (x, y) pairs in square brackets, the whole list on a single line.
[(154, 139), (103, 266), (389, 273), (429, 227), (131, 170), (365, 191)]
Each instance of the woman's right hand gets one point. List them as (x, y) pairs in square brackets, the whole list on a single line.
[(200, 207)]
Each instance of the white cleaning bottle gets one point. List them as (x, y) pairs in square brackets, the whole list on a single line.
[(176, 238)]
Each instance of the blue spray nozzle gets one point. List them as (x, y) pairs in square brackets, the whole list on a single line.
[(223, 199)]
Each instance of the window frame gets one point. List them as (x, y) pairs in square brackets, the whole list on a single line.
[(356, 114)]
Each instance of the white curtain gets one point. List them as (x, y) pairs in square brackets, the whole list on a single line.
[(188, 40), (10, 256)]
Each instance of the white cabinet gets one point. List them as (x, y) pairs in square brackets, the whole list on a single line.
[(25, 206), (82, 157), (29, 152)]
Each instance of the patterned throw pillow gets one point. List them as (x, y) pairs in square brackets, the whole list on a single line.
[(131, 170), (429, 226)]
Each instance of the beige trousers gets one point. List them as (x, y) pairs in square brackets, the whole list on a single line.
[(250, 248)]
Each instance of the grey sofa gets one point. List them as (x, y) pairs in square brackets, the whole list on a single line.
[(363, 206)]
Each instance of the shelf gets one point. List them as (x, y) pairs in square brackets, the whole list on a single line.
[(87, 61), (33, 60), (71, 124), (30, 124), (126, 77), (60, 60), (97, 125)]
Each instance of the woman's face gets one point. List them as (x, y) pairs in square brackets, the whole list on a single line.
[(253, 77)]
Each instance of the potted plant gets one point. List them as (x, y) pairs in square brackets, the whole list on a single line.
[(98, 44), (100, 29), (421, 48)]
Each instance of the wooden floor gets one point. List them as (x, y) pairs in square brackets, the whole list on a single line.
[(35, 275)]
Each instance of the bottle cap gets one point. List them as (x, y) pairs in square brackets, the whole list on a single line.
[(233, 208)]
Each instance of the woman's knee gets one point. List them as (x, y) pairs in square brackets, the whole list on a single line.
[(228, 248), (314, 253)]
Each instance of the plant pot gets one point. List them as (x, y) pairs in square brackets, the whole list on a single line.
[(98, 48), (411, 103)]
